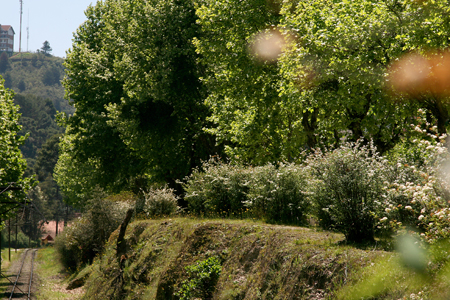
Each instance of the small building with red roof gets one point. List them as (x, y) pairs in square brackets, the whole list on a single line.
[(48, 239)]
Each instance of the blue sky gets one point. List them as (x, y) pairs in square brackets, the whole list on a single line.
[(51, 20)]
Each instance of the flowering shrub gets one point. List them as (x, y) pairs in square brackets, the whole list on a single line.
[(346, 189), (351, 189), (278, 194), (418, 196), (217, 188), (160, 202)]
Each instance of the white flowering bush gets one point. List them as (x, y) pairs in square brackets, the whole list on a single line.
[(418, 194), (217, 188), (278, 194), (160, 202), (347, 188)]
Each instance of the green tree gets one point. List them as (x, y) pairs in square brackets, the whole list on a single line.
[(90, 147), (46, 49), (44, 167), (428, 30), (8, 81), (77, 178), (12, 165), (38, 120), (161, 114), (250, 117), (22, 85), (51, 76), (341, 53), (4, 62), (133, 77)]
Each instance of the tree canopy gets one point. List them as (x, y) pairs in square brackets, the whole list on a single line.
[(160, 85), (133, 77)]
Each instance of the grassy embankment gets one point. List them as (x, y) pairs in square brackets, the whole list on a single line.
[(257, 261)]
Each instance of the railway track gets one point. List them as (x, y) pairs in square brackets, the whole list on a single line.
[(21, 287)]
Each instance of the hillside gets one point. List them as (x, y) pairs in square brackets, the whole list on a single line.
[(236, 259), (38, 75), (36, 80)]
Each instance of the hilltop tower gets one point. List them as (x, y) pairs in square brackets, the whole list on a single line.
[(20, 32)]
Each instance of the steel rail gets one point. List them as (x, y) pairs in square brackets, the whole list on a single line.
[(31, 274), (18, 275)]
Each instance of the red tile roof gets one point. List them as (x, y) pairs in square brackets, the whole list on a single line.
[(7, 27)]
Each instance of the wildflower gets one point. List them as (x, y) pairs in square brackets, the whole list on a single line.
[(408, 207), (383, 219), (421, 217)]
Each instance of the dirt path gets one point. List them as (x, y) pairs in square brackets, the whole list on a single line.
[(52, 280)]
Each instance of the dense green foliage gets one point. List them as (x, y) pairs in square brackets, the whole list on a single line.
[(203, 277), (276, 194), (38, 75), (86, 237), (38, 121), (158, 85), (352, 189), (346, 188), (358, 88), (12, 164), (39, 94), (36, 79), (217, 188), (255, 123), (139, 106)]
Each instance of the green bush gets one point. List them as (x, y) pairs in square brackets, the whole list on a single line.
[(279, 194), (347, 189), (203, 277), (217, 189), (86, 237), (22, 239), (160, 202)]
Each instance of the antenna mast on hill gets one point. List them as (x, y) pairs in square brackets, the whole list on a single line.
[(20, 35), (28, 29)]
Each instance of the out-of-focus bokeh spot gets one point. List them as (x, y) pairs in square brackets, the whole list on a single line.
[(416, 74), (411, 254), (268, 45)]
